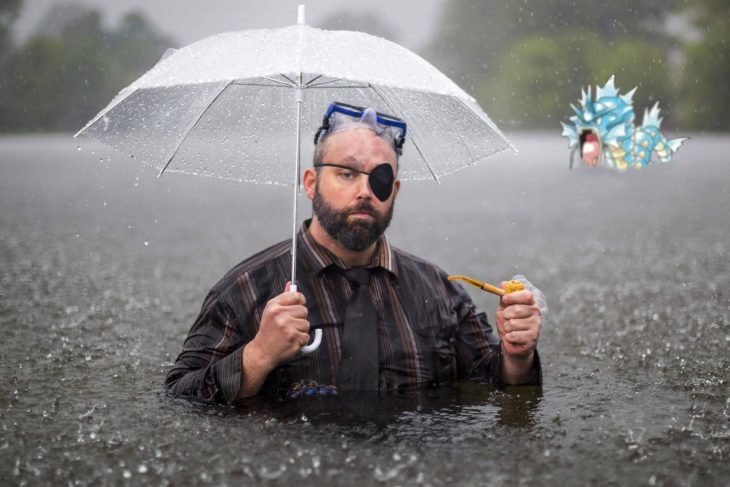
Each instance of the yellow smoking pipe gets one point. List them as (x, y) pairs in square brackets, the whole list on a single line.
[(511, 286)]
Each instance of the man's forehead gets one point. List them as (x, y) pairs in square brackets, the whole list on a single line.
[(359, 145)]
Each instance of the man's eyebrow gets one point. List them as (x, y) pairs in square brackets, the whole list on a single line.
[(351, 162), (342, 167)]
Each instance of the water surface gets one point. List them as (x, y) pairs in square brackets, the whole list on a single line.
[(104, 268)]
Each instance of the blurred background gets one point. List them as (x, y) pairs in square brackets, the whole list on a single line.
[(62, 61)]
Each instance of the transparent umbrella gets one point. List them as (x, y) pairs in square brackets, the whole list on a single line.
[(236, 105)]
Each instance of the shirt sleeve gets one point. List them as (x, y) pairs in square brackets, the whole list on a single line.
[(209, 368), (479, 353)]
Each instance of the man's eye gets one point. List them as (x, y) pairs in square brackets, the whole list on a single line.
[(347, 175)]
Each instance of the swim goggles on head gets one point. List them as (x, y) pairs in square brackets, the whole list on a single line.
[(380, 179), (341, 116)]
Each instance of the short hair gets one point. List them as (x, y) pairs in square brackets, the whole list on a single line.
[(319, 150)]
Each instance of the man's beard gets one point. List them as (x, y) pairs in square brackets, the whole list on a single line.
[(355, 236)]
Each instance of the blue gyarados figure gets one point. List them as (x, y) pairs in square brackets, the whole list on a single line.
[(604, 133)]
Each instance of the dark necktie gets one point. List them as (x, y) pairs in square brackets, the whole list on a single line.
[(359, 366)]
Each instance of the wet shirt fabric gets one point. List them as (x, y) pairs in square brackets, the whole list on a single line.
[(429, 331)]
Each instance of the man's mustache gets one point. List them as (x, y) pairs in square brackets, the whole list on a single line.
[(363, 207)]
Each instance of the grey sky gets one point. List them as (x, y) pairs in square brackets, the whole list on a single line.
[(190, 20)]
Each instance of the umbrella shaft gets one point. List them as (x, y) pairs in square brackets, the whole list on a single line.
[(296, 185)]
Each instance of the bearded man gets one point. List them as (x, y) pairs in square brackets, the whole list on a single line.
[(390, 321)]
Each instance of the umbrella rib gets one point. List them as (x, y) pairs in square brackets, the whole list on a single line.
[(413, 132), (291, 84), (104, 112), (330, 81), (321, 86), (312, 80), (472, 159), (491, 125), (194, 123), (310, 84), (264, 85)]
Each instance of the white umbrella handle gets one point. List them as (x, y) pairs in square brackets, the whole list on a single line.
[(315, 343), (317, 333)]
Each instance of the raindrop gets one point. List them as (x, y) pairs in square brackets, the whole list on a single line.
[(127, 474), (142, 468), (146, 243), (78, 148)]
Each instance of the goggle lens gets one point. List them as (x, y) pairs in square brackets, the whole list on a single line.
[(341, 114)]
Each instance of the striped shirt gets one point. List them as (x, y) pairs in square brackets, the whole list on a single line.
[(429, 331)]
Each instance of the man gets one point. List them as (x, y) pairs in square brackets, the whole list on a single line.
[(390, 321)]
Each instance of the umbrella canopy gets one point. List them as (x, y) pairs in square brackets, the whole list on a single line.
[(226, 106), (235, 106)]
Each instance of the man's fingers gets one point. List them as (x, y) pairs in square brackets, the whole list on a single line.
[(297, 332), (283, 316), (518, 297), (289, 299), (301, 325), (297, 311), (520, 324), (520, 338), (304, 339), (519, 311), (516, 325)]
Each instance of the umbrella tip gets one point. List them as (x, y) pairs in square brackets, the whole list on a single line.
[(300, 15)]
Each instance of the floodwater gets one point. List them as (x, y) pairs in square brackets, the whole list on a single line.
[(104, 268)]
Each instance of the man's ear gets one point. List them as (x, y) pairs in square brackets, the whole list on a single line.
[(309, 180), (396, 188)]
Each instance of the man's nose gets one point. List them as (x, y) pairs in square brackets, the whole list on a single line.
[(363, 187)]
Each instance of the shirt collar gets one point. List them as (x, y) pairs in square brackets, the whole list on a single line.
[(316, 258)]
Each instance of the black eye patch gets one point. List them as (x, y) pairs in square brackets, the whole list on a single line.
[(380, 179)]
